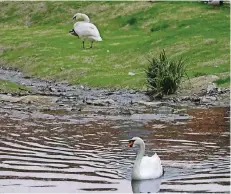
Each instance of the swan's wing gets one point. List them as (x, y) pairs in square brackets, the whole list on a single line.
[(151, 166), (84, 29), (154, 161)]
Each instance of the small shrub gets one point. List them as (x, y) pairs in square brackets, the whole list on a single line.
[(164, 76), (182, 25), (159, 27), (132, 21)]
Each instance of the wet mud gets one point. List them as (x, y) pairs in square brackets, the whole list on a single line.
[(60, 98)]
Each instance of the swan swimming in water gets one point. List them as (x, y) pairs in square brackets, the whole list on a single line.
[(145, 167), (85, 30)]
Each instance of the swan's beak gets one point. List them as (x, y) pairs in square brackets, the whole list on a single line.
[(72, 32), (126, 141), (130, 143)]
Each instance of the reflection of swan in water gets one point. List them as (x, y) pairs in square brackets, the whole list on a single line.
[(146, 186)]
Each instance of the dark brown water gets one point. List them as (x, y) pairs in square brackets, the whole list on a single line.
[(54, 154)]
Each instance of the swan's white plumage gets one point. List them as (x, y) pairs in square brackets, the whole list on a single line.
[(145, 167), (150, 167), (85, 30)]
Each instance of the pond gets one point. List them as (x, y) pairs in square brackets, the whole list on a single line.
[(85, 154)]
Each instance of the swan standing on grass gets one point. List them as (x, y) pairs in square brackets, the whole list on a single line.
[(84, 29), (215, 2), (145, 167)]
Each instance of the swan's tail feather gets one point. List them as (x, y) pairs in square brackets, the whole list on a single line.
[(99, 39)]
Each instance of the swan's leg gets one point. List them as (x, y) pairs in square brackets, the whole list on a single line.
[(91, 44), (83, 44)]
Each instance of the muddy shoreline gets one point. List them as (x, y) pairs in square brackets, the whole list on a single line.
[(60, 98)]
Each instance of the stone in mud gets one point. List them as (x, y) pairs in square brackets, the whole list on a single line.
[(47, 100), (52, 89), (180, 111), (195, 99), (109, 93), (222, 90), (208, 99), (30, 99), (152, 104), (212, 88), (9, 98), (185, 98), (100, 102), (165, 110)]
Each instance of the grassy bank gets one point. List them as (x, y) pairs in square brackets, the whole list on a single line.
[(35, 39), (7, 86)]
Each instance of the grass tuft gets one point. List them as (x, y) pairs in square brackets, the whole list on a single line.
[(159, 26), (164, 76), (132, 21), (7, 86)]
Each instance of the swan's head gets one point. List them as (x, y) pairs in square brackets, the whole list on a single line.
[(135, 141), (81, 16), (72, 32)]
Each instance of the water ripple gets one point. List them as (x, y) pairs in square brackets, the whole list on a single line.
[(41, 156)]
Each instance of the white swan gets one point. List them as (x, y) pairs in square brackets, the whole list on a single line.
[(145, 167), (84, 29), (215, 2)]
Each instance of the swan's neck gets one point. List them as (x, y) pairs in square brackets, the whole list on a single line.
[(139, 156)]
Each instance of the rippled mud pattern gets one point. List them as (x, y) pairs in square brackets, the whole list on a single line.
[(50, 152)]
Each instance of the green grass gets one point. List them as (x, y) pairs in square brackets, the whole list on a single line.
[(223, 82), (35, 39), (7, 86)]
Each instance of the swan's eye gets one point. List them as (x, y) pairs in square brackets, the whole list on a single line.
[(130, 143)]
